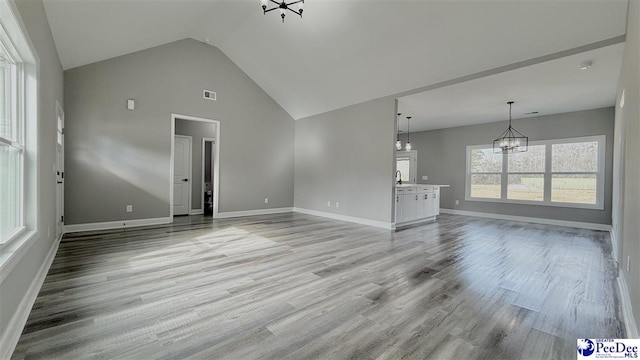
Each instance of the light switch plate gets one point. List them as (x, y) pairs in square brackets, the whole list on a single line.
[(131, 104)]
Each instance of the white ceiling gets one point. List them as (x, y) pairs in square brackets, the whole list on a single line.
[(551, 87), (341, 52)]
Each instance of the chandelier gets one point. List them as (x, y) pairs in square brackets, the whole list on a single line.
[(511, 140), (283, 6)]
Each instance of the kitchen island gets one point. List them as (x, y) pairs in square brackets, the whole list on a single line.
[(416, 203)]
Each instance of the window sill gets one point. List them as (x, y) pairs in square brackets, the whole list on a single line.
[(539, 203), (13, 251)]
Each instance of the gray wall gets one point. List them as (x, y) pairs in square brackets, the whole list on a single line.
[(442, 157), (346, 156), (116, 157), (197, 130), (15, 285), (628, 237)]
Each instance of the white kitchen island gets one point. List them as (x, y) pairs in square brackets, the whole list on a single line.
[(417, 203)]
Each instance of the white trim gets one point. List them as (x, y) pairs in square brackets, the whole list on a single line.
[(574, 224), (627, 308), (204, 142), (353, 219), (413, 222), (232, 214), (216, 165), (196, 212), (9, 339), (614, 245), (122, 224)]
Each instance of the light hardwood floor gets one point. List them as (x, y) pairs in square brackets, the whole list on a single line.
[(293, 286)]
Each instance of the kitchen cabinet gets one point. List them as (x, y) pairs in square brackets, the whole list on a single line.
[(415, 203)]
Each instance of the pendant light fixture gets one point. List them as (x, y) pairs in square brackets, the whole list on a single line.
[(398, 142), (511, 140), (283, 6), (407, 147)]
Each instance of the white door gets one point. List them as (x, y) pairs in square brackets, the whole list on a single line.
[(59, 171), (182, 175)]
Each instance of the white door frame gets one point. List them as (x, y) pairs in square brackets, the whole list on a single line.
[(59, 177), (216, 164), (190, 171), (204, 142)]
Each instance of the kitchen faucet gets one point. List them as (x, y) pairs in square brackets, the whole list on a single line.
[(399, 178)]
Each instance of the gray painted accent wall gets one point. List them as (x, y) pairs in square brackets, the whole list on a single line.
[(442, 157), (117, 157), (346, 156), (628, 237), (197, 130), (14, 287)]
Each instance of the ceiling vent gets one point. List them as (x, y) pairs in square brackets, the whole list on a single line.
[(209, 95)]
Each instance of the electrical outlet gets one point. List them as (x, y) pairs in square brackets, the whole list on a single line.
[(129, 208), (328, 203), (337, 204), (457, 202), (266, 200), (628, 263)]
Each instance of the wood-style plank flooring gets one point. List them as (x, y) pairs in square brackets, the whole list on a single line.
[(293, 286)]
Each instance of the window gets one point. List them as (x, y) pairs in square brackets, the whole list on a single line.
[(406, 164), (18, 132), (11, 146), (486, 174), (562, 172)]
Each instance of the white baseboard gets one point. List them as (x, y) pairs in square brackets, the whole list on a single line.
[(232, 214), (196, 211), (11, 335), (575, 224), (353, 219), (122, 224), (627, 309), (614, 245), (414, 222)]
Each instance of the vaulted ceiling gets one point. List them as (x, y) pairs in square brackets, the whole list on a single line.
[(342, 52)]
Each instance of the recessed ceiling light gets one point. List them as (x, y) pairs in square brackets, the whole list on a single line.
[(531, 113), (586, 64), (207, 40)]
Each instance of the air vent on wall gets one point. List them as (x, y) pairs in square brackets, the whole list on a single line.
[(209, 95)]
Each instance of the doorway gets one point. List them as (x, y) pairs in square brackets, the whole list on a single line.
[(208, 154), (204, 188), (59, 169)]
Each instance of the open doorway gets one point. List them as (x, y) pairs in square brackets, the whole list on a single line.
[(59, 168), (194, 165), (208, 155)]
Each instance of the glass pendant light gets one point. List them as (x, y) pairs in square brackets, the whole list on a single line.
[(407, 147), (398, 142)]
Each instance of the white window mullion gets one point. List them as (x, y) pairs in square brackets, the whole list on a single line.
[(504, 179), (547, 173)]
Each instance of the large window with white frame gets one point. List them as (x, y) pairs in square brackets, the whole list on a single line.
[(560, 172), (11, 142), (18, 131)]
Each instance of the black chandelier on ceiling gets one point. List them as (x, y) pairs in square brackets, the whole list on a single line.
[(511, 140), (283, 6)]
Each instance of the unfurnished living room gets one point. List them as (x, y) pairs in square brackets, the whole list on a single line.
[(319, 179)]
